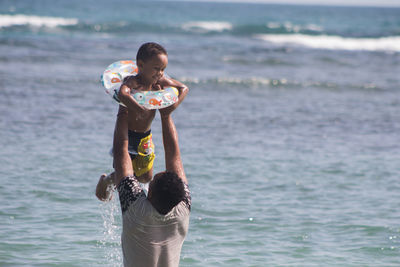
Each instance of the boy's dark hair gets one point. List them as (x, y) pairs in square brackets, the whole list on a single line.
[(149, 50), (167, 190)]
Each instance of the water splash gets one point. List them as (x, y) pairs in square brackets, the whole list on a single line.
[(111, 239)]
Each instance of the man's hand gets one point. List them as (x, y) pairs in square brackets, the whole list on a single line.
[(183, 90), (165, 112)]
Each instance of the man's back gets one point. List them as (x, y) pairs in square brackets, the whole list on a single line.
[(148, 237)]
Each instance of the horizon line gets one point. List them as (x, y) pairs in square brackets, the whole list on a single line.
[(288, 2)]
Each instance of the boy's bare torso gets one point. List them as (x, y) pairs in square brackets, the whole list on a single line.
[(140, 121)]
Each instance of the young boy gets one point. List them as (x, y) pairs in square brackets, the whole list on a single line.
[(151, 59)]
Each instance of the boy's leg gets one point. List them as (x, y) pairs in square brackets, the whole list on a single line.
[(143, 167), (145, 178), (143, 162)]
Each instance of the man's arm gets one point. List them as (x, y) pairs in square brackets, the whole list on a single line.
[(122, 163), (173, 161)]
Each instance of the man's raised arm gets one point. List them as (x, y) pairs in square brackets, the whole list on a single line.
[(173, 161), (122, 163)]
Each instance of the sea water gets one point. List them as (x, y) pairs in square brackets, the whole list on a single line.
[(289, 135)]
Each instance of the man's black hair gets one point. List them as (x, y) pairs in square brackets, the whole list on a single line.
[(167, 190)]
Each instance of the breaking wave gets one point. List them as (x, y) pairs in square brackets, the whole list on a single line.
[(391, 43), (37, 21), (276, 33), (207, 26), (265, 82)]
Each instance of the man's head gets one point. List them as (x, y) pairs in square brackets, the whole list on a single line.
[(151, 59), (166, 190)]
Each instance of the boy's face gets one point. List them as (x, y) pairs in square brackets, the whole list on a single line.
[(153, 69)]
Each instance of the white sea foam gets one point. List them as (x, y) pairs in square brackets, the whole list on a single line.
[(335, 42), (12, 20), (250, 81), (290, 27), (207, 26)]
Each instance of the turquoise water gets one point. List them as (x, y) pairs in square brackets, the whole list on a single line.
[(289, 135)]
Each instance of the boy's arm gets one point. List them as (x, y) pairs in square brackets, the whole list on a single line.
[(124, 95), (127, 99), (173, 161)]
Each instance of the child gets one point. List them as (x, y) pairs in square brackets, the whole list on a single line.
[(151, 59)]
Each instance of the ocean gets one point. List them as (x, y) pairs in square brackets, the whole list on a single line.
[(289, 134)]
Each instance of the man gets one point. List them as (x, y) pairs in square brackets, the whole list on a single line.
[(153, 227)]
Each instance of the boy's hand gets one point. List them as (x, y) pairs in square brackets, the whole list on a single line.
[(157, 87), (131, 82), (163, 82), (166, 82)]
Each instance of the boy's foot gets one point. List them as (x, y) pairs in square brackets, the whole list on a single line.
[(104, 187)]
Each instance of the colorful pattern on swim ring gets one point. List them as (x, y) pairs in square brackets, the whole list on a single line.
[(114, 75)]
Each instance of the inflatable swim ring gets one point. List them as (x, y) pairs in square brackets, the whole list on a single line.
[(115, 74)]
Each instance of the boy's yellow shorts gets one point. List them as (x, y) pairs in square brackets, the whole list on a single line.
[(141, 150)]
